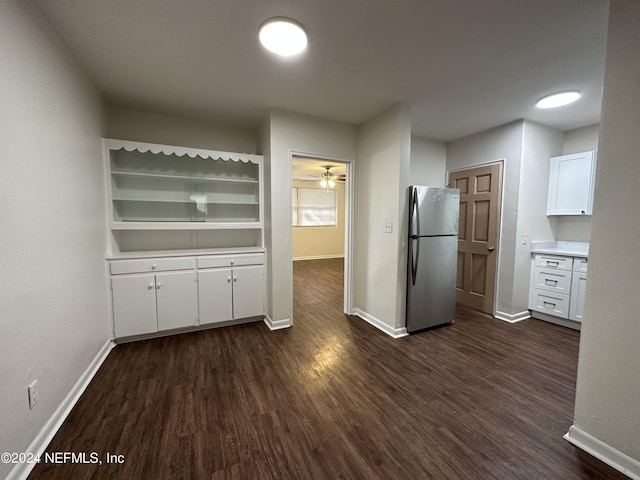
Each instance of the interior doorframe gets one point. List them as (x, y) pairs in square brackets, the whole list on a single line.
[(349, 225), (501, 161)]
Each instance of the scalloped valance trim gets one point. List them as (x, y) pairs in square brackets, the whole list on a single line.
[(156, 148)]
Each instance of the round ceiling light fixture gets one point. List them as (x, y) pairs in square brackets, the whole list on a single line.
[(558, 99), (283, 36)]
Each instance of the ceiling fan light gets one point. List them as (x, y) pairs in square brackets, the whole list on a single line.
[(558, 99), (327, 179), (283, 36)]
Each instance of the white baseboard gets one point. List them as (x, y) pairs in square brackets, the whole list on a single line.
[(602, 451), (38, 446), (277, 324), (317, 257), (512, 317), (557, 320), (380, 325)]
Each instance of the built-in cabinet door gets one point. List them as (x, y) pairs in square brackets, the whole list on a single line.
[(571, 181), (177, 299), (248, 291), (578, 288), (215, 295), (134, 305)]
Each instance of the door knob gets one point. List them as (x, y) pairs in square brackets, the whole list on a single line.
[(490, 248)]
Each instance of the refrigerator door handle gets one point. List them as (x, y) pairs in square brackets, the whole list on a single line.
[(415, 210), (414, 260)]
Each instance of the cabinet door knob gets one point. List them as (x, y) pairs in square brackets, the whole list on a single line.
[(159, 285), (151, 286), (231, 263), (228, 279), (235, 279)]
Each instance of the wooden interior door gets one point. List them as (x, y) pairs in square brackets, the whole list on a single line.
[(480, 193)]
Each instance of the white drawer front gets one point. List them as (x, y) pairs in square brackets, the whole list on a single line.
[(151, 265), (553, 261), (551, 303), (580, 264), (558, 281), (213, 261)]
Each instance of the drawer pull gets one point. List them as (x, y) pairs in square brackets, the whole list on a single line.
[(154, 266), (549, 282), (552, 263), (548, 305)]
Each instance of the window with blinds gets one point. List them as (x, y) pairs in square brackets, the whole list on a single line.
[(314, 208)]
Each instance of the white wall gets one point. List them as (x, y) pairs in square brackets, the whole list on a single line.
[(282, 133), (581, 139), (428, 162), (53, 292), (320, 242), (503, 142), (573, 227), (140, 126), (539, 144), (384, 144), (608, 391)]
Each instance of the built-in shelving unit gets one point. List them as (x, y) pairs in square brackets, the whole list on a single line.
[(164, 197), (186, 243), (165, 187)]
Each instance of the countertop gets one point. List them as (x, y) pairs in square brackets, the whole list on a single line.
[(570, 249)]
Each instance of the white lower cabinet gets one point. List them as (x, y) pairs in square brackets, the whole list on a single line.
[(134, 305), (148, 303), (176, 300), (230, 293), (215, 295), (558, 286), (151, 295), (578, 288)]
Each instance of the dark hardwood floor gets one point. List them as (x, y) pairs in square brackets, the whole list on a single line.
[(333, 398)]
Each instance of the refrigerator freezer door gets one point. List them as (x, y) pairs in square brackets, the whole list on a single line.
[(431, 301), (434, 211)]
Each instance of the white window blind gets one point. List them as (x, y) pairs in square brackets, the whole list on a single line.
[(314, 208)]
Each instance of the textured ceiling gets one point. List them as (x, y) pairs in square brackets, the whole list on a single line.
[(463, 65)]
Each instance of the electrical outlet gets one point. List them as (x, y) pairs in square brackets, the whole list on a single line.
[(388, 227), (32, 391)]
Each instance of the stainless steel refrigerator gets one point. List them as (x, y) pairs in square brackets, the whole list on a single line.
[(433, 256)]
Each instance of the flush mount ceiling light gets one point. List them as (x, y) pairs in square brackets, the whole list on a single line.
[(558, 99), (283, 36)]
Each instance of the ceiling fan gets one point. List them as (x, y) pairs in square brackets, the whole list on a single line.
[(328, 179)]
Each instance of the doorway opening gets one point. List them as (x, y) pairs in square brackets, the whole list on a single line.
[(321, 217)]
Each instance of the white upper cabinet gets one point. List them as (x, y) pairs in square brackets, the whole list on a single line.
[(571, 182), (165, 187)]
